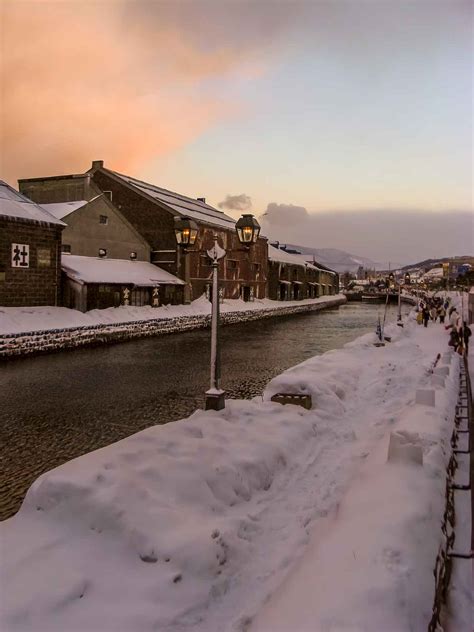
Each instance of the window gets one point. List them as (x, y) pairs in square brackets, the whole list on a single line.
[(108, 194), (66, 248), (103, 219), (232, 264)]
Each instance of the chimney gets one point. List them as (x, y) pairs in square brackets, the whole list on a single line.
[(97, 164), (203, 200)]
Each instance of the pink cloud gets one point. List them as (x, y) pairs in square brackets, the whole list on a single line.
[(106, 80)]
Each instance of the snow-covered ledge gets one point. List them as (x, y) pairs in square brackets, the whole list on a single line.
[(197, 524), (29, 330)]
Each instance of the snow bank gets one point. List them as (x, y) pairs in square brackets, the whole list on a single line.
[(196, 524), (150, 521), (14, 320)]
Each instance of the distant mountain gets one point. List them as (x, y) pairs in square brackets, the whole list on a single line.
[(426, 264), (337, 260)]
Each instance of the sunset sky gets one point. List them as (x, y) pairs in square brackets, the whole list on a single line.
[(357, 112)]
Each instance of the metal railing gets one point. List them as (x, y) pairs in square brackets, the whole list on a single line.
[(463, 422)]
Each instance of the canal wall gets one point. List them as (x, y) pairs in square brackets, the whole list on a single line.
[(54, 340)]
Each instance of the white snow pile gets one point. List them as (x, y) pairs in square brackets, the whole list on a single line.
[(259, 517), (26, 319)]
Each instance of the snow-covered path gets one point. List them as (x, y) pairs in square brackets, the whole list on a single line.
[(195, 525), (352, 419)]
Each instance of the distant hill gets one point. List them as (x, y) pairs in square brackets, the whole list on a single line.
[(426, 264), (337, 260)]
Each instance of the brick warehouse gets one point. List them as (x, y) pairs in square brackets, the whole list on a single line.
[(30, 252), (151, 211)]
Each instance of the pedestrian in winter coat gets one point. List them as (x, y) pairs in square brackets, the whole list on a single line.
[(434, 313), (441, 314), (466, 334), (453, 319), (454, 340), (426, 316)]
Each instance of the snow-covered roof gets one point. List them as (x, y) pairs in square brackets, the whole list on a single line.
[(180, 204), (15, 205), (309, 259), (123, 271), (434, 273), (276, 254), (61, 209)]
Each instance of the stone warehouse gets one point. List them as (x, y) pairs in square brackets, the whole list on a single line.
[(114, 216), (292, 278), (150, 211), (30, 252)]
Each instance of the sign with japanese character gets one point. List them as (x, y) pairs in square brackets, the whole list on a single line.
[(126, 296), (155, 297), (20, 256)]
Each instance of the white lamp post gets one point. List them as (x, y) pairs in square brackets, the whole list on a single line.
[(248, 230)]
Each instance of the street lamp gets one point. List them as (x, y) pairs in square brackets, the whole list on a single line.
[(248, 230), (185, 230)]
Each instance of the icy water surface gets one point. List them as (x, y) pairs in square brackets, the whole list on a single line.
[(57, 407)]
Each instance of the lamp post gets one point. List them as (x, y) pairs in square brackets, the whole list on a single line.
[(186, 230), (399, 316)]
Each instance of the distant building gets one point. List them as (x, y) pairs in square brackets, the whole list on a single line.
[(30, 251), (291, 277)]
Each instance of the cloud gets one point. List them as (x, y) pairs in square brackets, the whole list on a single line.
[(403, 236), (284, 215), (119, 81), (240, 203)]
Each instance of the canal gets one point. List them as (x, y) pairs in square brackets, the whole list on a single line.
[(57, 407)]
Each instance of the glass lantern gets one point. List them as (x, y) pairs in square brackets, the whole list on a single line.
[(185, 230), (248, 229)]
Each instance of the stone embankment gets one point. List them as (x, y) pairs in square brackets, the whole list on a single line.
[(53, 340)]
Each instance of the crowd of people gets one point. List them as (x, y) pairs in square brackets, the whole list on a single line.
[(436, 307)]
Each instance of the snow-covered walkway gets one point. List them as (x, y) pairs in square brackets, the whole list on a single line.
[(261, 517)]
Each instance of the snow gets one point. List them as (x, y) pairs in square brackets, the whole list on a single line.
[(259, 517), (15, 320), (434, 273), (180, 204), (103, 270), (15, 205), (62, 209), (277, 254)]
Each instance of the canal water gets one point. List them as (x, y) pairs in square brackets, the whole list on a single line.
[(57, 407)]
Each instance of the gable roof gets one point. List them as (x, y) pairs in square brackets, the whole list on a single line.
[(62, 209), (277, 254), (177, 203), (317, 264), (123, 271), (16, 206)]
